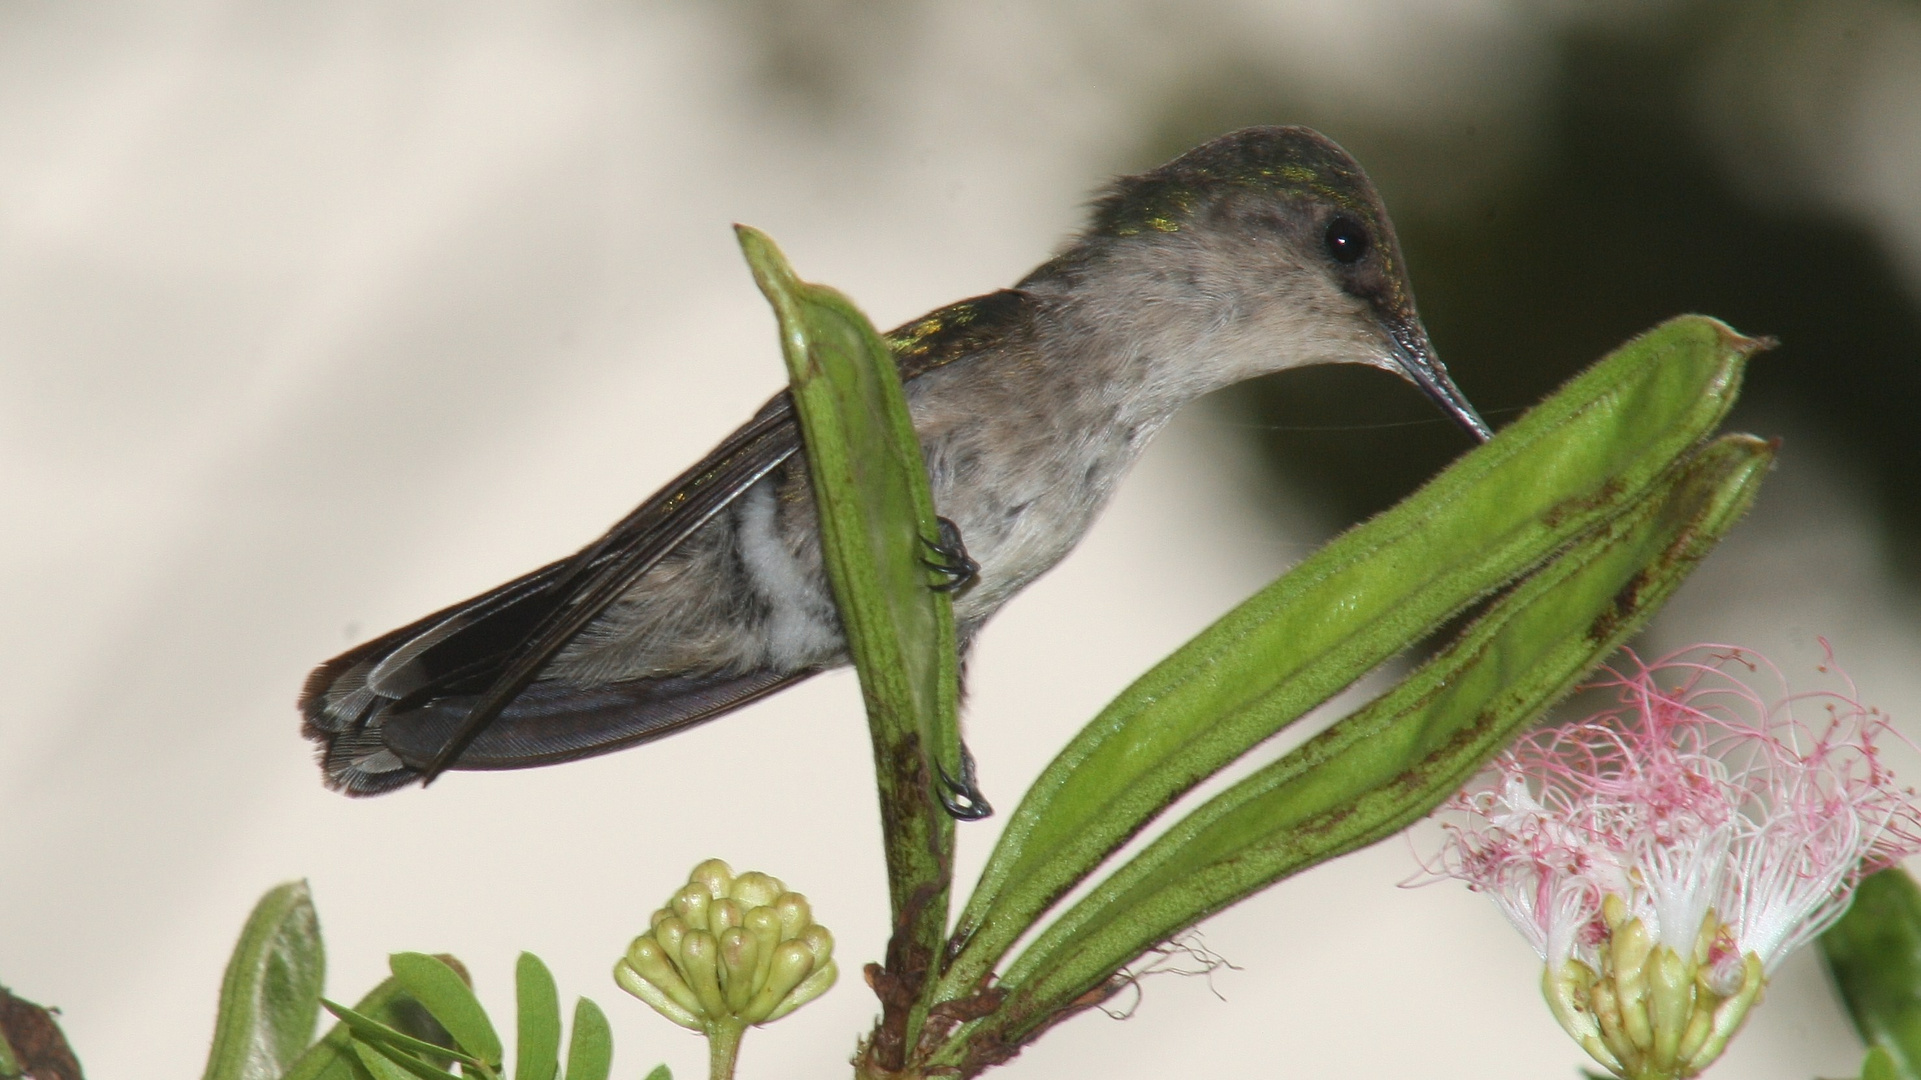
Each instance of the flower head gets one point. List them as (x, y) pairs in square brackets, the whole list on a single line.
[(729, 950), (1663, 856)]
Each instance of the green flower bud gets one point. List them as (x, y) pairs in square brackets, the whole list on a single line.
[(714, 876), (1653, 1012), (795, 914), (724, 915), (755, 889), (650, 992), (792, 962), (648, 960), (729, 950), (691, 904), (700, 959), (810, 988), (739, 960), (669, 933)]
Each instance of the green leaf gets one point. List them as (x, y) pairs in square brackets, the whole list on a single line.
[(1382, 768), (1874, 955), (1879, 1065), (270, 996), (452, 1002), (876, 523), (1573, 461), (590, 1053), (537, 1049), (368, 1030), (392, 1063), (661, 1072), (332, 1058), (378, 1065)]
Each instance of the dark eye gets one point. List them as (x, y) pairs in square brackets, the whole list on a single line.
[(1346, 239)]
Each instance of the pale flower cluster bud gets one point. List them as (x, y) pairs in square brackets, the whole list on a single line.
[(729, 950)]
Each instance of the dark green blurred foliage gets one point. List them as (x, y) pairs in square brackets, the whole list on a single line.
[(1874, 956), (1598, 210)]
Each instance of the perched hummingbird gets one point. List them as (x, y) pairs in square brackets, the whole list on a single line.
[(1263, 250)]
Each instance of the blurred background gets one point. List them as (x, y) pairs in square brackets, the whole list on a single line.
[(316, 317)]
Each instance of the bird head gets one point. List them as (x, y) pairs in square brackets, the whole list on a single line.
[(1265, 249)]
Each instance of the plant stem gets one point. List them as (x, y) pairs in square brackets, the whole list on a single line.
[(723, 1046)]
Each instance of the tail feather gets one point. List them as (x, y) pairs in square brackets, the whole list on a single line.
[(548, 722)]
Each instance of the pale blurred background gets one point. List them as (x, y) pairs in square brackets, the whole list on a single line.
[(315, 317)]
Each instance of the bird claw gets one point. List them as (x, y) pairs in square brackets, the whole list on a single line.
[(962, 798), (948, 556)]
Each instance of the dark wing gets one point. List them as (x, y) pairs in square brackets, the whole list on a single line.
[(457, 689)]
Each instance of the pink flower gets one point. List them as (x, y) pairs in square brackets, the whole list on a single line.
[(1695, 826)]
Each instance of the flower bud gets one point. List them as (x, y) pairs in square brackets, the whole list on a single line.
[(691, 904), (728, 950), (1651, 1012), (795, 914), (725, 914), (713, 876), (739, 959)]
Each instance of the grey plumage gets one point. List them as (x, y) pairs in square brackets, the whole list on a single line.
[(1263, 250)]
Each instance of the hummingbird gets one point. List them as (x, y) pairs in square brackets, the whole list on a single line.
[(1262, 250)]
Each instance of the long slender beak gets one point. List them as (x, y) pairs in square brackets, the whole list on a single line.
[(1419, 364)]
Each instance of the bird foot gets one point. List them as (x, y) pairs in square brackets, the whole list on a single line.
[(948, 556), (961, 797)]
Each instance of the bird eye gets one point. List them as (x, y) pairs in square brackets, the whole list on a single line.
[(1346, 239)]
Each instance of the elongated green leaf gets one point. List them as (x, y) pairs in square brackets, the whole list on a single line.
[(368, 1030), (1573, 461), (661, 1072), (537, 1049), (332, 1058), (392, 1063), (270, 996), (1874, 954), (1391, 762), (379, 1065), (590, 1052), (451, 1001), (877, 524)]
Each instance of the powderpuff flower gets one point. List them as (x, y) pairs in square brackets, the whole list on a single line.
[(1663, 856)]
